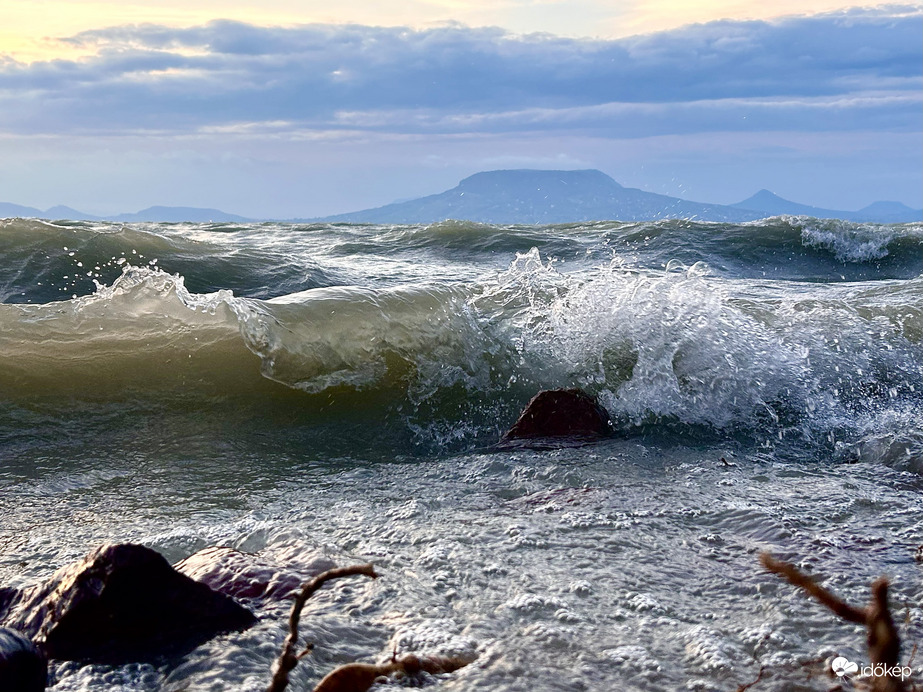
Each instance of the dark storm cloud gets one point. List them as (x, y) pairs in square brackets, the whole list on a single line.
[(850, 70)]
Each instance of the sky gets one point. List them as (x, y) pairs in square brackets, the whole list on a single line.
[(302, 109)]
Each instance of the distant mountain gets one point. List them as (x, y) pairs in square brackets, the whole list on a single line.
[(180, 214), (8, 210), (62, 212), (524, 197), (888, 212), (878, 212), (769, 203), (537, 197), (159, 214)]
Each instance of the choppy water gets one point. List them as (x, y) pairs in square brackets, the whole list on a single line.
[(336, 390)]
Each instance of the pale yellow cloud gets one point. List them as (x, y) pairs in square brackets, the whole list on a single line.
[(30, 28)]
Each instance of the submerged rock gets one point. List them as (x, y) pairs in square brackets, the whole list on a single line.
[(23, 668), (122, 603), (561, 413), (245, 575), (555, 499)]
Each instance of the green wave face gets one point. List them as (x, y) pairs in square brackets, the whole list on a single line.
[(442, 332)]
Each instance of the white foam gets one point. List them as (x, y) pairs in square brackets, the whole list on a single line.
[(849, 242)]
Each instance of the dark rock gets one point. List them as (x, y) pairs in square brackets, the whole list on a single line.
[(23, 668), (569, 413), (245, 575), (122, 603), (8, 597)]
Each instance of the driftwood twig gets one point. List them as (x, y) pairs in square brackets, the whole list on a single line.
[(826, 598), (288, 659), (359, 677), (883, 641), (759, 676)]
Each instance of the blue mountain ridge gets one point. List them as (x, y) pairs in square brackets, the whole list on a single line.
[(882, 212), (522, 196), (153, 214), (540, 196)]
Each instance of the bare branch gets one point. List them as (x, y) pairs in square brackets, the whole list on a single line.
[(883, 640), (744, 688), (797, 578), (355, 677), (884, 643), (359, 677), (288, 659)]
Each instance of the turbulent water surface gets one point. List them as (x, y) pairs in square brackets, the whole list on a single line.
[(337, 391)]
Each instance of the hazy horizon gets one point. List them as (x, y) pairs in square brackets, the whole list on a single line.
[(129, 212)]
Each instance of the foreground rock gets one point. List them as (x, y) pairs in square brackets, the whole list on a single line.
[(23, 668), (122, 603), (245, 575), (561, 413)]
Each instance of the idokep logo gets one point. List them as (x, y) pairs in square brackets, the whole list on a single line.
[(842, 666)]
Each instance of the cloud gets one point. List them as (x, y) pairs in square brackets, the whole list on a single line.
[(645, 119), (859, 69)]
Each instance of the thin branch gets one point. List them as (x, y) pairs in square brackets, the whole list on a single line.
[(883, 640), (744, 688), (884, 643), (359, 677), (797, 578), (288, 659)]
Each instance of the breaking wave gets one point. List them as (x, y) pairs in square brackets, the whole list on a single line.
[(680, 348)]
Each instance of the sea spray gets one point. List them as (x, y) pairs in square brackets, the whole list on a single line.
[(680, 345)]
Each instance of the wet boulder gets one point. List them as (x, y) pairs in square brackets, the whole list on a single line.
[(246, 575), (8, 597), (23, 668), (561, 413), (122, 603)]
